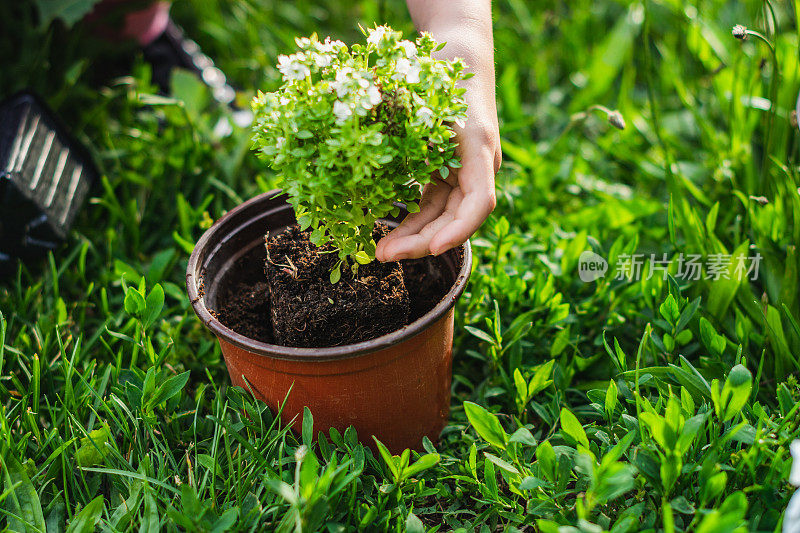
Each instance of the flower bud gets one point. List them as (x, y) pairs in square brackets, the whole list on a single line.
[(616, 120)]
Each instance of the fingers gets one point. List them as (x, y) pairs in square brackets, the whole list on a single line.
[(397, 243), (417, 245), (448, 216), (470, 214), (476, 180)]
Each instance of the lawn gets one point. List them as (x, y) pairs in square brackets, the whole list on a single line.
[(661, 396)]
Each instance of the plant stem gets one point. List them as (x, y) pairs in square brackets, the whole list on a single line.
[(773, 104)]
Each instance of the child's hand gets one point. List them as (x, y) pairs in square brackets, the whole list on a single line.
[(450, 212)]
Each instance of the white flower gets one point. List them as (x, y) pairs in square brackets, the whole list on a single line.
[(322, 60), (373, 97), (375, 35), (426, 115), (292, 67), (279, 142), (329, 46), (342, 83), (284, 101), (794, 475), (302, 42), (791, 517), (407, 70), (342, 111), (409, 48)]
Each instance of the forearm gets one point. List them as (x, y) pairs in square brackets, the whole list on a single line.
[(466, 27), (453, 18), (453, 209)]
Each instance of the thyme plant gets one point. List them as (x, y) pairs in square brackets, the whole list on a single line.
[(352, 130)]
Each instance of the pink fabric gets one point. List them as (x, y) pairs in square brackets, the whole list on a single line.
[(147, 24)]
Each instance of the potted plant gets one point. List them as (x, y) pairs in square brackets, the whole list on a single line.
[(353, 134)]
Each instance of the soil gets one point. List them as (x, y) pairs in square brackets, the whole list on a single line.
[(384, 298), (308, 310)]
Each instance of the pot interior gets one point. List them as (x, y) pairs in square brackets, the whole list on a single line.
[(234, 256)]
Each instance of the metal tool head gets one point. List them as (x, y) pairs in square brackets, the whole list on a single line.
[(45, 176)]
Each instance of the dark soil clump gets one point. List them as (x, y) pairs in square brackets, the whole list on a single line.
[(308, 310), (386, 296)]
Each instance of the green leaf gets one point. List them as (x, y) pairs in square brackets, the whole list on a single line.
[(308, 427), (87, 519), (723, 290), (134, 303), (92, 450), (190, 90), (171, 387), (304, 222), (336, 274), (687, 314), (611, 397), (362, 258), (546, 457), (22, 501), (572, 428), (709, 336), (387, 458), (504, 465), (530, 483), (153, 305), (521, 386), (423, 463), (669, 310), (540, 380), (736, 391), (480, 334), (523, 436), (486, 425), (414, 524)]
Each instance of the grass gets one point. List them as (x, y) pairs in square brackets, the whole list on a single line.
[(616, 405)]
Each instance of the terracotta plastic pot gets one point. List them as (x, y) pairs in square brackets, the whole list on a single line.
[(396, 387)]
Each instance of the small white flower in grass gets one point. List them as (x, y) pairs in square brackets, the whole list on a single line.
[(302, 42), (794, 475), (409, 48), (376, 34), (342, 111), (292, 68), (791, 518), (426, 115)]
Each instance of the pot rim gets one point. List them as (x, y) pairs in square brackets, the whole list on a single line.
[(193, 276)]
